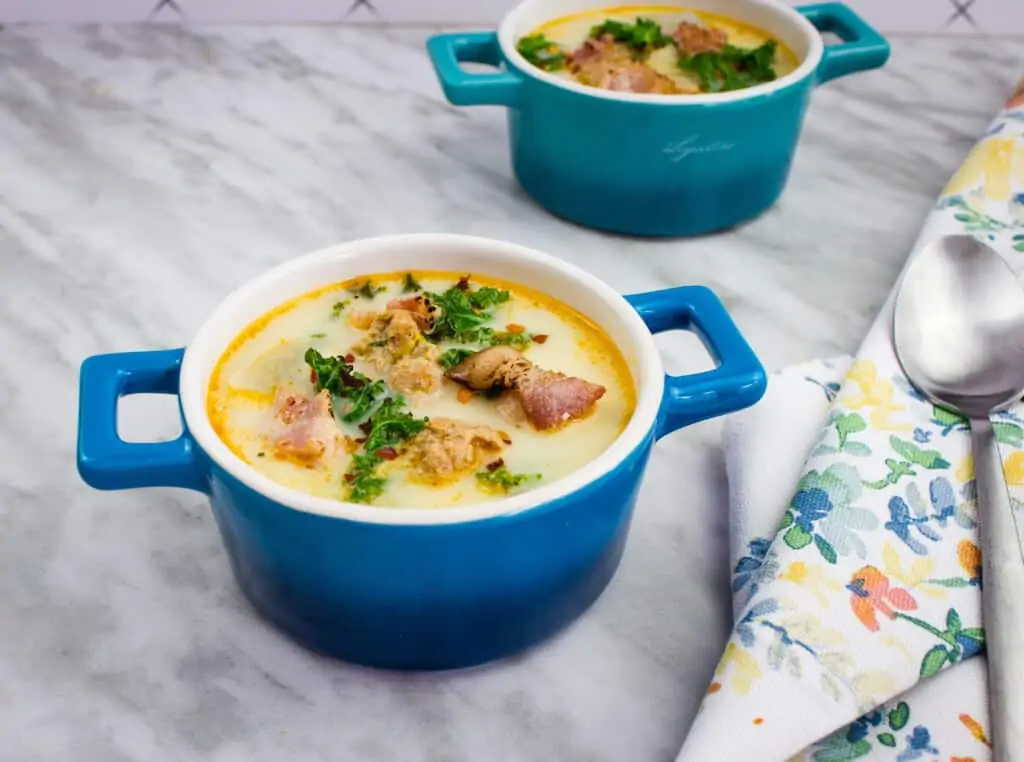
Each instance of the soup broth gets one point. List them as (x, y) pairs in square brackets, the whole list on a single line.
[(420, 390), (664, 50)]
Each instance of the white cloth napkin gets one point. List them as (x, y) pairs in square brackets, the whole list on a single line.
[(765, 450), (868, 583)]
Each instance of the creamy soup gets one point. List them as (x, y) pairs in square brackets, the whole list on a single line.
[(421, 389), (664, 50)]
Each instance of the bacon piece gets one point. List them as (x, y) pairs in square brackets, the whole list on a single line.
[(420, 307), (637, 78), (694, 38), (609, 65), (310, 434), (544, 398), (552, 399), (447, 449), (603, 50)]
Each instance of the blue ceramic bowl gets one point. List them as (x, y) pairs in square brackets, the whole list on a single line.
[(654, 165), (408, 588)]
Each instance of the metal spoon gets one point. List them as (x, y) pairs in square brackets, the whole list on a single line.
[(958, 331)]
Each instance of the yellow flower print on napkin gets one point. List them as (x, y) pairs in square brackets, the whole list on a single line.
[(874, 394), (916, 577), (813, 578), (872, 688), (995, 164), (965, 471), (745, 668), (1013, 469)]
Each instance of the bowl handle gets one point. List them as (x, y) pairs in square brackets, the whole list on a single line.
[(463, 88), (862, 47), (739, 380), (105, 461)]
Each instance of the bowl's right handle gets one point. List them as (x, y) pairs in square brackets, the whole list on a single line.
[(463, 88), (862, 48), (105, 461), (739, 380)]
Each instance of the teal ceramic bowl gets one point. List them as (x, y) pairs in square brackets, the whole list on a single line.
[(655, 165)]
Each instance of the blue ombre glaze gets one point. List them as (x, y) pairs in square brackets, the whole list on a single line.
[(667, 168), (428, 597), (405, 596)]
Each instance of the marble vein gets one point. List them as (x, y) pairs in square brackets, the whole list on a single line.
[(147, 171)]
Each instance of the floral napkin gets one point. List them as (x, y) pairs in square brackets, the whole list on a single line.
[(871, 582), (765, 449)]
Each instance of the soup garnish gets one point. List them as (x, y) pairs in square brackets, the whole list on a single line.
[(420, 389), (667, 51)]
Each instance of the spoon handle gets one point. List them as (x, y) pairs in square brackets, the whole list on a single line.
[(1002, 597)]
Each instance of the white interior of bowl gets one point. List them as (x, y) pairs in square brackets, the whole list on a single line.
[(464, 254), (780, 21)]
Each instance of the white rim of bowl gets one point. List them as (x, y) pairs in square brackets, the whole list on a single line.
[(195, 381), (506, 38)]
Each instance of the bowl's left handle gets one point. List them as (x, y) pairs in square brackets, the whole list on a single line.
[(105, 461), (739, 380), (463, 88), (862, 47)]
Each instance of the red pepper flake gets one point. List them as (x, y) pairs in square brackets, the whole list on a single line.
[(463, 284), (494, 465), (361, 440), (350, 477), (366, 427), (387, 453), (350, 358), (515, 328), (312, 375), (540, 338), (758, 720), (464, 395)]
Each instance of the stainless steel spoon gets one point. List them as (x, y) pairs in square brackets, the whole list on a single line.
[(958, 331)]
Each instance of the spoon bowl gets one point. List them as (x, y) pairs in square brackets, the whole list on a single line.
[(958, 327)]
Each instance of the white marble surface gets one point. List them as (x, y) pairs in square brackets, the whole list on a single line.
[(145, 172)]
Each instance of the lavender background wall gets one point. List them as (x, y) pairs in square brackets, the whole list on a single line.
[(996, 17)]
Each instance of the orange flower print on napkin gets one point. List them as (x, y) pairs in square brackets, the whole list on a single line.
[(1017, 99), (969, 556), (870, 592), (976, 729)]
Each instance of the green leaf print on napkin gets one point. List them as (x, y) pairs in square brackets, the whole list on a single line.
[(1007, 432), (822, 513), (845, 426), (925, 458), (856, 741), (911, 455), (973, 219), (958, 642), (947, 420)]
